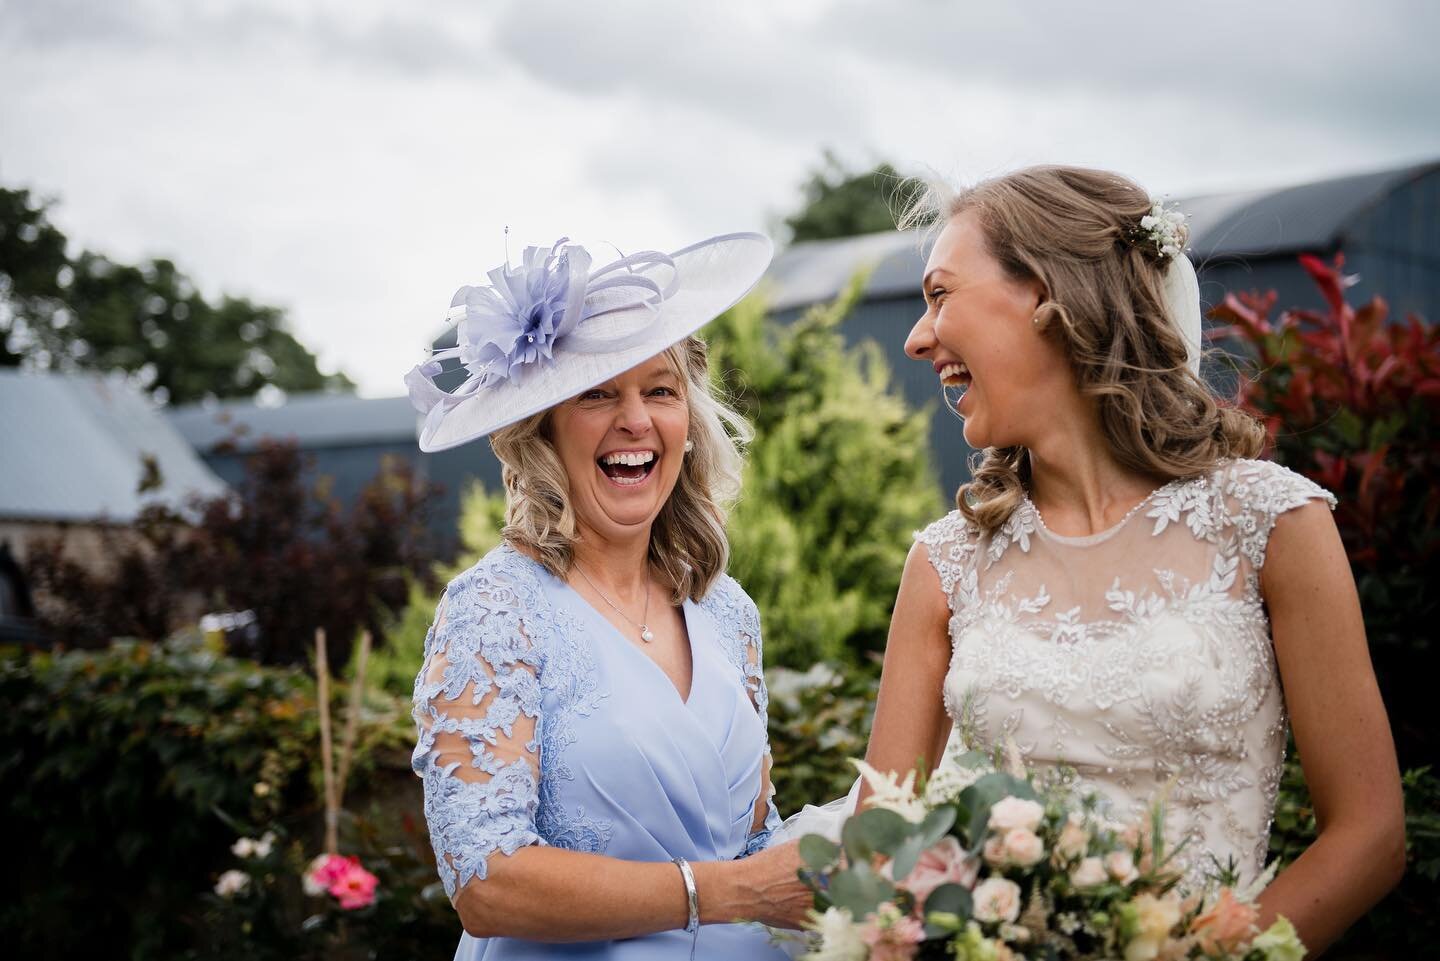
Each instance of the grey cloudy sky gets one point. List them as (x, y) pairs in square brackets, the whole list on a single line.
[(356, 161)]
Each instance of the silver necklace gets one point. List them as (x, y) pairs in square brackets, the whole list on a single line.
[(646, 634)]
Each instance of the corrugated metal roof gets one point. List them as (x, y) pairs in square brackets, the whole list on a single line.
[(313, 420), (71, 448), (1257, 223)]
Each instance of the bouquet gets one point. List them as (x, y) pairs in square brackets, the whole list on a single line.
[(981, 864)]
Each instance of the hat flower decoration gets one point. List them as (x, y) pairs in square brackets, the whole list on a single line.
[(549, 327)]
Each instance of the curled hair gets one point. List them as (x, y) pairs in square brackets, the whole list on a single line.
[(688, 546), (1074, 230)]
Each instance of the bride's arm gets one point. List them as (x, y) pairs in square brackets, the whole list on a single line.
[(1340, 729), (911, 725)]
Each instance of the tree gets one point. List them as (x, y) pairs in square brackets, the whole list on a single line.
[(89, 312), (843, 203)]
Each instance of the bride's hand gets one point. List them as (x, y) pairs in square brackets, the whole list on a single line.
[(771, 888)]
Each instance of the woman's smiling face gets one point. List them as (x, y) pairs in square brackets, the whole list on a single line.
[(978, 333), (622, 445)]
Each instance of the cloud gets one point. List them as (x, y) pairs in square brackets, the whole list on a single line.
[(369, 36), (1365, 67), (753, 71)]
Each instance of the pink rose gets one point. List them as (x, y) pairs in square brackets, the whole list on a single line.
[(997, 899), (1023, 847), (1226, 926), (342, 878), (994, 852), (1088, 873), (1121, 866), (1073, 839), (944, 863), (891, 935)]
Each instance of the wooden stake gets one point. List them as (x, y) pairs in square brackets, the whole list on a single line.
[(322, 695), (352, 720)]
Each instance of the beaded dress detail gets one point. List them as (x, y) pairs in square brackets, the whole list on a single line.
[(1136, 660)]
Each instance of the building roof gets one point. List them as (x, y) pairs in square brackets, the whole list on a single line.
[(313, 420), (1256, 223), (74, 447)]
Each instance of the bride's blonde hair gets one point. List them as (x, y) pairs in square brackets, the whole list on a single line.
[(1076, 231)]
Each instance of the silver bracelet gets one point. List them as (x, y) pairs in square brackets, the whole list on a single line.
[(692, 903)]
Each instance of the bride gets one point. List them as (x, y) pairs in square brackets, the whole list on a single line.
[(1123, 593)]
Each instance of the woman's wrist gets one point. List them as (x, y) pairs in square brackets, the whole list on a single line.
[(721, 891)]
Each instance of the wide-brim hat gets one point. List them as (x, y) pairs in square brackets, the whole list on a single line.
[(549, 328)]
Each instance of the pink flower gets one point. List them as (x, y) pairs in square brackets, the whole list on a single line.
[(1226, 926), (1023, 847), (891, 935), (355, 888), (324, 871), (944, 863)]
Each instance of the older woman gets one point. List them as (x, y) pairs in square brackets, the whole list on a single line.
[(1123, 591), (591, 708)]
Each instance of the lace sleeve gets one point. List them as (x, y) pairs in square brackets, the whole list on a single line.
[(477, 711), (950, 545), (1260, 491), (739, 621)]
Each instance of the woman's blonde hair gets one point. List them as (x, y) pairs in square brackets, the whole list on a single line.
[(1077, 231), (688, 547)]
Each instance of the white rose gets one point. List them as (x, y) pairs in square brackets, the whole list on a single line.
[(839, 938), (997, 899), (1121, 866), (243, 848), (1013, 812), (1088, 873), (1023, 847), (308, 880), (232, 883), (265, 845)]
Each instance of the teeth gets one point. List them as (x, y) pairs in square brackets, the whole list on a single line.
[(952, 373), (629, 458)]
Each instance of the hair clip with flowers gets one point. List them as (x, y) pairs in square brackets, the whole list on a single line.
[(1164, 230)]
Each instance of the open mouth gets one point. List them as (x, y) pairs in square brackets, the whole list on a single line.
[(955, 375), (627, 468)]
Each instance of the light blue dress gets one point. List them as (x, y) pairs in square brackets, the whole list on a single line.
[(540, 723)]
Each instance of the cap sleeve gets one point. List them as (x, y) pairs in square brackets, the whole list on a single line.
[(477, 709), (950, 544), (1258, 492)]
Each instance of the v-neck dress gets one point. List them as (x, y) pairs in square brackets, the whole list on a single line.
[(540, 723)]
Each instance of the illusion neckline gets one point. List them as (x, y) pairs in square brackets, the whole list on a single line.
[(1085, 540)]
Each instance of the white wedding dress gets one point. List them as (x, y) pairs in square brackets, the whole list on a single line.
[(1136, 660)]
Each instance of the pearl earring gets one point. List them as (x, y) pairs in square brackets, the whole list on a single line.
[(689, 446)]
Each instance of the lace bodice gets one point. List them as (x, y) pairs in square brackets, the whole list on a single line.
[(539, 723), (1137, 659)]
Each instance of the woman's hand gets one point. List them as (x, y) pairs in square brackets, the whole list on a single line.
[(764, 887)]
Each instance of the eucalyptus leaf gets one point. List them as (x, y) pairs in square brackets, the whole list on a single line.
[(818, 852), (859, 889), (951, 899)]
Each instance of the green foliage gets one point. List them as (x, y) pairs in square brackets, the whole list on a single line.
[(843, 203), (128, 773), (91, 313), (838, 477), (818, 720), (117, 763)]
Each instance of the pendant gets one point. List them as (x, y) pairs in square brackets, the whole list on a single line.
[(646, 634)]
